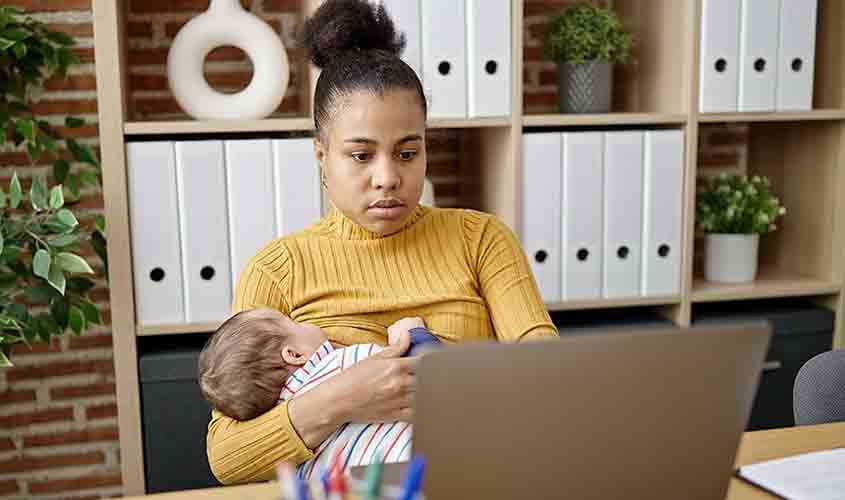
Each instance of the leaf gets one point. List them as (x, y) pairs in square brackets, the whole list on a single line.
[(19, 49), (67, 218), (92, 314), (76, 320), (16, 34), (99, 244), (89, 177), (72, 183), (60, 38), (2, 243), (41, 264), (82, 152), (57, 198), (80, 284), (100, 223), (64, 240), (15, 192), (60, 309), (4, 200), (4, 361), (43, 293), (26, 128), (38, 194), (60, 170), (5, 44), (74, 122), (72, 263), (57, 279)]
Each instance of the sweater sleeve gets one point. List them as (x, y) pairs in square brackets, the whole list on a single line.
[(505, 280), (244, 451)]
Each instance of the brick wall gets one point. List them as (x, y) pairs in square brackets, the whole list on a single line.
[(58, 427)]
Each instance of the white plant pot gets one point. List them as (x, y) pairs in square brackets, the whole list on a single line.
[(227, 23), (731, 258)]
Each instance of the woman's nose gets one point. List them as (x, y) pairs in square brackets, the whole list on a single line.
[(386, 176)]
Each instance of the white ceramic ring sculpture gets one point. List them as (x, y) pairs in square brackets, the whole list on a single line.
[(227, 23)]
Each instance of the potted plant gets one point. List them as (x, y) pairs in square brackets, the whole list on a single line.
[(44, 282), (733, 211), (585, 41)]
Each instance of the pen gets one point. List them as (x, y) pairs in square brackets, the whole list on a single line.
[(373, 484), (413, 479)]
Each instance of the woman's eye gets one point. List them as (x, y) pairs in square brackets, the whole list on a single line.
[(361, 157), (407, 155)]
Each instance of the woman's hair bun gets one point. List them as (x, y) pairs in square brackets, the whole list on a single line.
[(341, 26)]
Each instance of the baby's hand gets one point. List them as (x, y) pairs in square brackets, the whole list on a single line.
[(403, 325)]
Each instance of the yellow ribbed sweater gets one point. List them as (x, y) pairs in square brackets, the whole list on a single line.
[(462, 271)]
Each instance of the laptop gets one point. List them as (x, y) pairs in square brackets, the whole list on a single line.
[(655, 414)]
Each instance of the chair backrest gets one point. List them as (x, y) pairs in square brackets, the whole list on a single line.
[(818, 395)]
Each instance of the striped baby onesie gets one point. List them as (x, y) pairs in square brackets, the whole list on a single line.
[(360, 443)]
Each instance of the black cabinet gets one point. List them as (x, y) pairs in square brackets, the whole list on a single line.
[(174, 414), (800, 330)]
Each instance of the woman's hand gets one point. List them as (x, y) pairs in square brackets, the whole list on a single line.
[(403, 325), (378, 389)]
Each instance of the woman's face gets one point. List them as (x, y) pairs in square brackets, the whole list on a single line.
[(374, 163)]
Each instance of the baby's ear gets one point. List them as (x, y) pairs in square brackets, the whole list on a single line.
[(293, 357)]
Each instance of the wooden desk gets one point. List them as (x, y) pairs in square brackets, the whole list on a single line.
[(754, 447)]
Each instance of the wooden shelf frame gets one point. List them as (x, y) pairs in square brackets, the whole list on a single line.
[(804, 152)]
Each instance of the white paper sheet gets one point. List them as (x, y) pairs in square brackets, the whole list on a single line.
[(810, 476)]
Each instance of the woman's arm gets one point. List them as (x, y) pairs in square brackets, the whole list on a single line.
[(376, 389), (506, 282)]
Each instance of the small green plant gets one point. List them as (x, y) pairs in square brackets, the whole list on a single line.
[(584, 32), (734, 204), (44, 282)]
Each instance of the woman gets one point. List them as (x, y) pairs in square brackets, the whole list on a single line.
[(377, 257)]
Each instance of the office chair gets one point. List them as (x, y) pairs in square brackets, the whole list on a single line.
[(818, 395)]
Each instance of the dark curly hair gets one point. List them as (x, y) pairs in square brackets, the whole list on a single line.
[(357, 47)]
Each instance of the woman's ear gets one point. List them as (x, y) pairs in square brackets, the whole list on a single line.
[(320, 154), (292, 356)]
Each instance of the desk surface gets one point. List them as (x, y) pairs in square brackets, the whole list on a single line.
[(754, 447)]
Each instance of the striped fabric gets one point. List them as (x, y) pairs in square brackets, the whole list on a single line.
[(361, 444)]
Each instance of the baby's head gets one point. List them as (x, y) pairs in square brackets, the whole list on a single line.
[(244, 365)]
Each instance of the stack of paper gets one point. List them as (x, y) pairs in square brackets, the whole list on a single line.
[(818, 475)]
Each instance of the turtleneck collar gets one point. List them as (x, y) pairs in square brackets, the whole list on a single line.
[(345, 228)]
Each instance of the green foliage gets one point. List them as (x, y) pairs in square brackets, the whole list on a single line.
[(583, 33), (737, 205), (44, 283)]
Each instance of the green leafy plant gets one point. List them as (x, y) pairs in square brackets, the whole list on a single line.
[(44, 283), (584, 32), (734, 204)]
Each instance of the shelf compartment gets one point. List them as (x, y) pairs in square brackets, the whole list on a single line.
[(572, 305), (653, 82), (782, 116), (564, 120), (770, 283)]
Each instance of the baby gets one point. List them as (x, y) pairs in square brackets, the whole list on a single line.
[(261, 357)]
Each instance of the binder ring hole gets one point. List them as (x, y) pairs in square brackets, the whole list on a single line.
[(663, 250), (721, 65), (444, 68), (623, 252), (207, 273), (157, 274), (760, 65), (540, 256), (797, 63), (491, 67), (582, 254)]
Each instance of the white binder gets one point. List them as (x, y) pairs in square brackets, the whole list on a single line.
[(251, 206), (758, 55), (623, 180), (489, 58), (297, 185), (796, 55), (444, 57), (719, 61), (582, 215), (154, 226), (541, 225), (663, 162), (205, 236), (406, 17)]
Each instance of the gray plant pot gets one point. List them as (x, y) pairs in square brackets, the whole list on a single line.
[(585, 88)]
